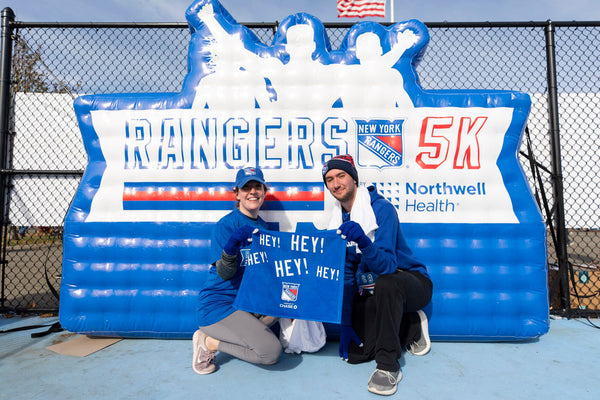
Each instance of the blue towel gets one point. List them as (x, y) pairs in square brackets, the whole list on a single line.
[(294, 275)]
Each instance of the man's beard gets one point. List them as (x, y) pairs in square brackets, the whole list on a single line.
[(349, 195)]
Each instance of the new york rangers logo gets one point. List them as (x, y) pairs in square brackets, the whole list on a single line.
[(289, 291), (379, 142)]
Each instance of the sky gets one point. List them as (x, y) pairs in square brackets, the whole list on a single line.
[(325, 10)]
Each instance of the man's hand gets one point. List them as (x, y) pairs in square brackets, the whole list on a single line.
[(353, 232), (238, 239), (347, 335)]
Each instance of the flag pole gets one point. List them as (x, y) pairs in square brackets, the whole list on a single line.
[(392, 11)]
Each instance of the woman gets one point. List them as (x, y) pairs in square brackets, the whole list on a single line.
[(222, 327)]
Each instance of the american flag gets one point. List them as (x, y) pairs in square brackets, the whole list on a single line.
[(360, 8)]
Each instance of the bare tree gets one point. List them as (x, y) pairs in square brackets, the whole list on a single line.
[(30, 74)]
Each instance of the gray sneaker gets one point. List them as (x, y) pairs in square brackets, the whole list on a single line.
[(204, 360), (421, 346), (384, 382)]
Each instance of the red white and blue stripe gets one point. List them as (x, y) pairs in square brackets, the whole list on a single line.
[(281, 196)]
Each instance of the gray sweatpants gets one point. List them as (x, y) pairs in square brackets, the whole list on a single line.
[(244, 336)]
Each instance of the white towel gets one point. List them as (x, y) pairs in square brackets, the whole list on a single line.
[(361, 213), (298, 335)]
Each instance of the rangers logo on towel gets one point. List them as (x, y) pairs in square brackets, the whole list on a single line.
[(245, 254), (289, 291), (379, 142)]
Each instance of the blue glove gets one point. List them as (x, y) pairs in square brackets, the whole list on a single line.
[(238, 239), (353, 232), (347, 335), (366, 282)]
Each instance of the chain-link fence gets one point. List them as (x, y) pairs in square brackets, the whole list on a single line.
[(54, 63)]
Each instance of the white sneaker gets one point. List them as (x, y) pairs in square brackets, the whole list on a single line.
[(384, 382), (421, 346), (204, 360)]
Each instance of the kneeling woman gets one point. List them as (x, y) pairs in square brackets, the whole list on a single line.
[(222, 327)]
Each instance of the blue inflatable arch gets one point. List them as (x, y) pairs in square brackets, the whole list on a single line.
[(160, 168)]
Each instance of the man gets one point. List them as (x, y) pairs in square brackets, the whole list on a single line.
[(385, 286)]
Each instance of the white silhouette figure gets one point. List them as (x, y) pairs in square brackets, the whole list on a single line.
[(374, 83), (303, 83), (230, 86)]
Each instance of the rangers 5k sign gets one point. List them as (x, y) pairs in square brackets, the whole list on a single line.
[(288, 108)]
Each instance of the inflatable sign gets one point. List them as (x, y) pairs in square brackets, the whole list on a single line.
[(161, 168)]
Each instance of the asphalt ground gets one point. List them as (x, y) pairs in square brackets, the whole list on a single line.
[(562, 364)]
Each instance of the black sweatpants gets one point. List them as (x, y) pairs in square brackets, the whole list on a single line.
[(386, 321)]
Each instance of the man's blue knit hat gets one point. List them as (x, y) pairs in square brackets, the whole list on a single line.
[(345, 162)]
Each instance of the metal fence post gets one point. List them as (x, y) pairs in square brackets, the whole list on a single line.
[(559, 204), (8, 17)]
